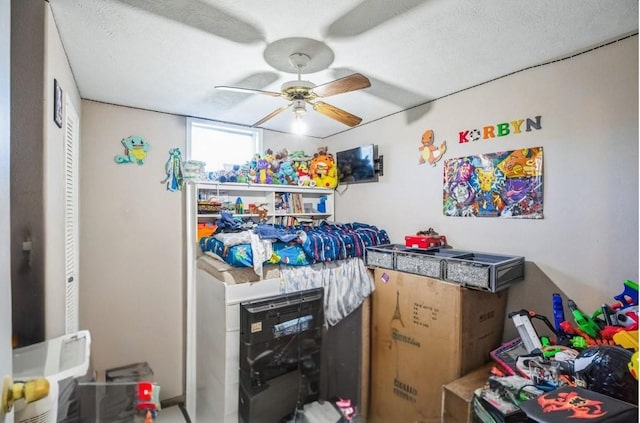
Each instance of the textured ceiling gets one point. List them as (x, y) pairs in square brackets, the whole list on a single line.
[(168, 55)]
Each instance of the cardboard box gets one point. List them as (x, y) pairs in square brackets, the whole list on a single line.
[(425, 334), (457, 396)]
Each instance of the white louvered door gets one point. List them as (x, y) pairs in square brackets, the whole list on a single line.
[(71, 141)]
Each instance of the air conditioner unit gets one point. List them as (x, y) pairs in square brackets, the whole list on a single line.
[(62, 361)]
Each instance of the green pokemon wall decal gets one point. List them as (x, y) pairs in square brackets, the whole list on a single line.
[(173, 169), (135, 150)]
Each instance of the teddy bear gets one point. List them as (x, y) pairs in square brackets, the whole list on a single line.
[(304, 177), (323, 169), (287, 174)]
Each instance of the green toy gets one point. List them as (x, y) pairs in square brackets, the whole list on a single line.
[(584, 322), (578, 342)]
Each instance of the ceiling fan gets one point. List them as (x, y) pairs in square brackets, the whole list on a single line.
[(299, 93)]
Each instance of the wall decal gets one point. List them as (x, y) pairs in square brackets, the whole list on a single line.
[(500, 130), (429, 152), (135, 150), (173, 169), (504, 184)]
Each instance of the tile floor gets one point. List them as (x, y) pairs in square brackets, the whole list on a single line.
[(170, 415), (314, 413)]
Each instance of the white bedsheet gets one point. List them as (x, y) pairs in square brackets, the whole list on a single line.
[(346, 283)]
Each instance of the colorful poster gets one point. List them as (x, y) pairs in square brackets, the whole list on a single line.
[(504, 184)]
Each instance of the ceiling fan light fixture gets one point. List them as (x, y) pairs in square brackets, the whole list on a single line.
[(299, 126), (299, 108)]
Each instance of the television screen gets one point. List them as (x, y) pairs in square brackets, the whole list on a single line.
[(357, 165)]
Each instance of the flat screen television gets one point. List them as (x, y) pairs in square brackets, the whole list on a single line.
[(359, 165)]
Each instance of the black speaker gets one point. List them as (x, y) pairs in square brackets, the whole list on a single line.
[(271, 402)]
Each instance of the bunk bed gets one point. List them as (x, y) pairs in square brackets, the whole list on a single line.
[(298, 257)]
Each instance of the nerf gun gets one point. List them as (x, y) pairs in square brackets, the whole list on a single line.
[(624, 312), (522, 321), (558, 314), (584, 322), (629, 296)]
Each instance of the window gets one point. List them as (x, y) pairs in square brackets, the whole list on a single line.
[(218, 144)]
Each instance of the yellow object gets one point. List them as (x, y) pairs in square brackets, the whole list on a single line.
[(633, 365), (274, 259), (627, 339), (30, 391), (322, 169)]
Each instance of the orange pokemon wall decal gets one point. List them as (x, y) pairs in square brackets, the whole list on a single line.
[(429, 152)]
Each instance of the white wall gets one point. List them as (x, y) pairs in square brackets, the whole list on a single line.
[(587, 243), (278, 141), (131, 252)]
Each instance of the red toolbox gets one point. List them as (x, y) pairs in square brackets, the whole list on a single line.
[(425, 241)]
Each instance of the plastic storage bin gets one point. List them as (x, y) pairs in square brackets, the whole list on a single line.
[(424, 262), (484, 271), (382, 255)]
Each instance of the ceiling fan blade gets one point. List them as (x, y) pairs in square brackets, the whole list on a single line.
[(248, 90), (335, 113), (353, 82), (272, 114)]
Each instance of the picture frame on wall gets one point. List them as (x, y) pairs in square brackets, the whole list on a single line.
[(57, 103)]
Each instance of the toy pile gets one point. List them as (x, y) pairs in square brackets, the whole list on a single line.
[(586, 369), (283, 168)]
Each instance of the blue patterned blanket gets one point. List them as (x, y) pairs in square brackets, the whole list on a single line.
[(295, 245)]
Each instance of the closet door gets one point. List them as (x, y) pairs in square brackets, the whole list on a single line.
[(71, 141)]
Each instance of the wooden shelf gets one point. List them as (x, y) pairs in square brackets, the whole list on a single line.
[(280, 201)]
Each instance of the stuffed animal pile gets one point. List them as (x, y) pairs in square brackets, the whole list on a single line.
[(283, 168)]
